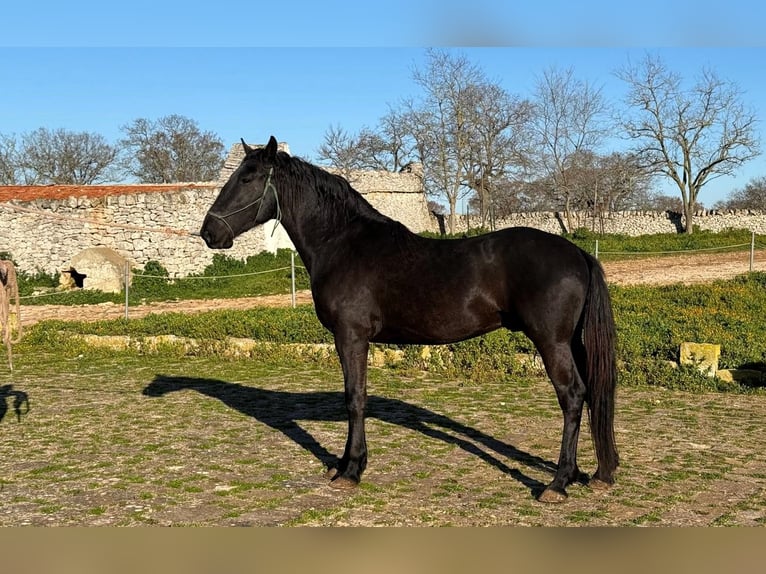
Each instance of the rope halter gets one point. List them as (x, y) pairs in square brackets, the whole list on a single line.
[(266, 188)]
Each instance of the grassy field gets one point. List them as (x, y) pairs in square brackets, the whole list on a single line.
[(124, 439)]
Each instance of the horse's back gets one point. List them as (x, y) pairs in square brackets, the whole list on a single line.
[(512, 264)]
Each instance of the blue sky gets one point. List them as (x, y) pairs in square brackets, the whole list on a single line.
[(295, 69), (355, 23)]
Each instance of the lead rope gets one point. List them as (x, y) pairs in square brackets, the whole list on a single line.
[(266, 188)]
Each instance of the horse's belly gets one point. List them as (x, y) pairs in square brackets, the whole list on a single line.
[(436, 329)]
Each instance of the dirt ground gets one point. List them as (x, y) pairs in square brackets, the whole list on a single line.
[(195, 441), (697, 268), (687, 269)]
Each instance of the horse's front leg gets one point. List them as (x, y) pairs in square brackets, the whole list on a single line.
[(352, 350)]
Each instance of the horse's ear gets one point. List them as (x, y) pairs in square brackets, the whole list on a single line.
[(271, 148), (245, 147)]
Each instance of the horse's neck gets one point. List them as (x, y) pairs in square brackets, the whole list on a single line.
[(313, 232), (303, 245), (307, 233)]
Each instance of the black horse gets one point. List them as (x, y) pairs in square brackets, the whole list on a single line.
[(373, 280)]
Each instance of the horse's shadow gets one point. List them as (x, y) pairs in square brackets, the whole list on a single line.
[(282, 410)]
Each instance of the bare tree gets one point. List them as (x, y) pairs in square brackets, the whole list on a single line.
[(396, 130), (171, 149), (585, 182), (518, 195), (599, 184), (389, 147), (624, 183), (690, 135), (570, 118), (498, 124), (751, 196), (65, 157), (435, 131), (465, 130), (10, 162), (447, 82), (340, 149)]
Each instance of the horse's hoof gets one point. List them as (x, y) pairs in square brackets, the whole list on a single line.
[(343, 483), (550, 496), (331, 473), (600, 485)]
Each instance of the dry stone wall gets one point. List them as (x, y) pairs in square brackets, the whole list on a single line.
[(631, 223), (44, 235)]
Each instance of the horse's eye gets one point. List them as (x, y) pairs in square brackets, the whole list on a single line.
[(247, 179)]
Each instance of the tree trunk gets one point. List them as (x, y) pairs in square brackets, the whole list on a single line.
[(451, 219), (689, 217)]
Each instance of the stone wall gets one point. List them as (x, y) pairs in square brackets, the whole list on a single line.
[(45, 234), (632, 223)]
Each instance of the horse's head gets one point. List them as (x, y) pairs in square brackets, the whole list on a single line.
[(248, 199)]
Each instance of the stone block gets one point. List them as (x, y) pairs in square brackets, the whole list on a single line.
[(99, 268), (704, 356)]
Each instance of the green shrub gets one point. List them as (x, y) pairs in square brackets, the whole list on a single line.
[(299, 325), (663, 374), (473, 232)]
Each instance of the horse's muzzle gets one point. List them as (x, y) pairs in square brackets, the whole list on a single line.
[(216, 233)]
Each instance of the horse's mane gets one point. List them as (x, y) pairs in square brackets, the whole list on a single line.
[(337, 200)]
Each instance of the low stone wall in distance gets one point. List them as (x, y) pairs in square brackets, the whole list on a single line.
[(631, 223)]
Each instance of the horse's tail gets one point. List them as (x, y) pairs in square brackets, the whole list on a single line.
[(599, 337)]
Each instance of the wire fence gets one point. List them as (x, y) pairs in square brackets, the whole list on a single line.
[(292, 268), (128, 272), (673, 251), (752, 245)]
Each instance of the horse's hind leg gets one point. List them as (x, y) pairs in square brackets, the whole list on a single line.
[(570, 390)]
